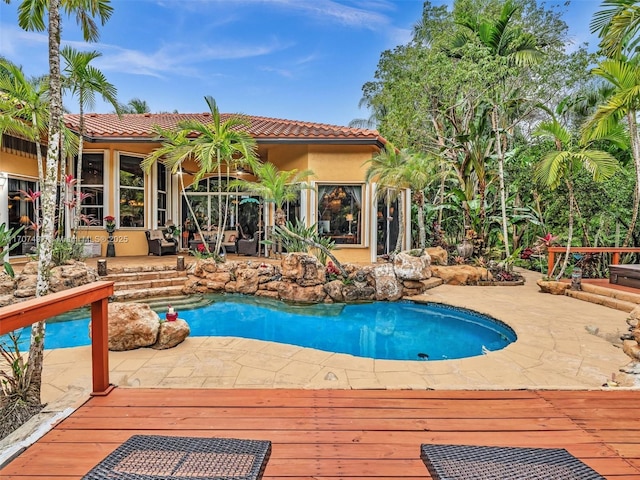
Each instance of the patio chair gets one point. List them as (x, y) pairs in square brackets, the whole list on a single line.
[(148, 457), (465, 462), (160, 242), (249, 246)]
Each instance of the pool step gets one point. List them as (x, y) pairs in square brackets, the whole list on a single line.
[(179, 302), (608, 297), (135, 294)]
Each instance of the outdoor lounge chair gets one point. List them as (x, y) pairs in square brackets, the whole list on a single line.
[(465, 462), (248, 246), (153, 457), (161, 242)]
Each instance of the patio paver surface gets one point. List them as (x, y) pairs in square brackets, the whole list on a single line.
[(554, 350)]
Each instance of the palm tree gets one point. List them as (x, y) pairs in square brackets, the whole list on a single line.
[(216, 145), (135, 105), (174, 151), (220, 145), (617, 26), (622, 105), (389, 168), (504, 42), (25, 101), (84, 81), (563, 163), (31, 17)]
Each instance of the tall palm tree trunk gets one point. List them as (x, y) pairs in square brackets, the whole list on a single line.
[(635, 150), (36, 349), (190, 207), (572, 201), (503, 193)]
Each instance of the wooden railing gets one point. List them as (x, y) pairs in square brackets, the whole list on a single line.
[(97, 294), (615, 251)]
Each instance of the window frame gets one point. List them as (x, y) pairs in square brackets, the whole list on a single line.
[(361, 234), (119, 192)]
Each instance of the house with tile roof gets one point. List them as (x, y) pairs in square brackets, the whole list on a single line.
[(341, 203)]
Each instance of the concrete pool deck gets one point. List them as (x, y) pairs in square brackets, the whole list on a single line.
[(563, 343)]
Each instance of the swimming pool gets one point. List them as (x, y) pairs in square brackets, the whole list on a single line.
[(382, 330)]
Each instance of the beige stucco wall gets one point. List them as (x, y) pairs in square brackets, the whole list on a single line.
[(330, 163), (22, 165)]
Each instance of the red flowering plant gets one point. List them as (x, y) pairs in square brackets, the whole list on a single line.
[(332, 271), (110, 223)]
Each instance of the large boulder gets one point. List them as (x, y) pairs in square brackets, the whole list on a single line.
[(386, 284), (410, 266), (439, 255), (171, 334), (461, 274), (247, 280), (303, 269), (72, 274), (131, 326)]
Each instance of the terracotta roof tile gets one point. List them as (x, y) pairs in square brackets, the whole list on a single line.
[(108, 126)]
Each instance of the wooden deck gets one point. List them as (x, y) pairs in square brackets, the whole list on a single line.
[(347, 434)]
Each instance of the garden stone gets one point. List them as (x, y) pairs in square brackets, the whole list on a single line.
[(171, 334), (334, 290), (7, 284), (552, 287), (7, 300), (409, 267), (386, 284), (460, 274), (632, 349), (71, 275), (247, 281), (439, 255), (304, 269), (293, 292), (131, 326), (354, 293)]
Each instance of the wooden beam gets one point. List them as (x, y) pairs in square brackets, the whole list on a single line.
[(13, 317)]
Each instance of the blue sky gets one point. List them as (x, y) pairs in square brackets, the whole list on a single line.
[(293, 59)]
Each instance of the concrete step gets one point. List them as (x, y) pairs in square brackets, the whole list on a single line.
[(609, 297), (610, 292), (146, 284), (145, 276), (135, 294)]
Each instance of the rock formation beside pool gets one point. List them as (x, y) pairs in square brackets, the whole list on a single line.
[(631, 346), (23, 286), (135, 325), (300, 277)]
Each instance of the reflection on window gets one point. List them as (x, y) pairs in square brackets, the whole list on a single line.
[(92, 186), (340, 213), (131, 192), (22, 214), (162, 194)]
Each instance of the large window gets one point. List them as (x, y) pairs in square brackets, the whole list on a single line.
[(92, 186), (131, 192), (340, 213)]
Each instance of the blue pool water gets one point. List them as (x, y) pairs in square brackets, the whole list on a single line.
[(382, 330)]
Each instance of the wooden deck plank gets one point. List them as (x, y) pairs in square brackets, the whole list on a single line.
[(347, 434)]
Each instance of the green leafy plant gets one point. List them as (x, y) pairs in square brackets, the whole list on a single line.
[(7, 237), (297, 237), (64, 250)]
